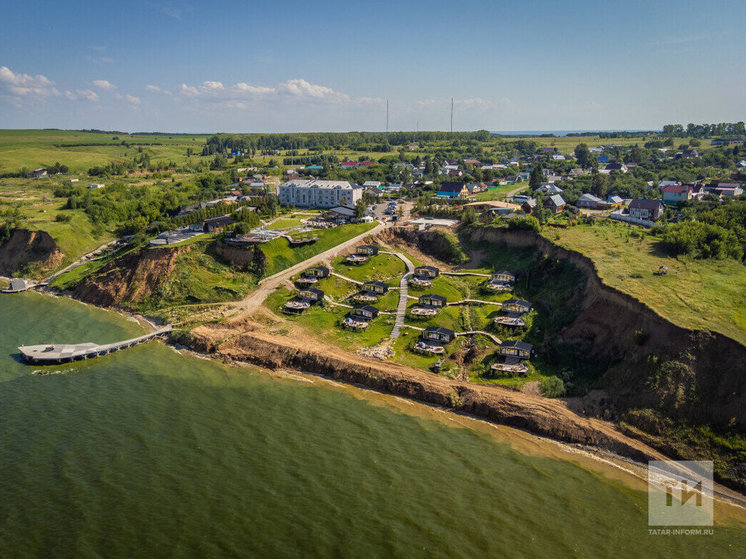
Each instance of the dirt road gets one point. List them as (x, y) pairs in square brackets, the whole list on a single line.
[(269, 284)]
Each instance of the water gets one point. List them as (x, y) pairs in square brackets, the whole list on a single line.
[(151, 453)]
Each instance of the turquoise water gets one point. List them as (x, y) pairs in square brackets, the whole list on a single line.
[(149, 453)]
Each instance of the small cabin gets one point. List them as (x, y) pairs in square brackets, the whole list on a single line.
[(426, 272), (367, 250), (438, 334), (516, 305), (516, 349), (311, 294), (436, 301), (504, 277), (317, 272), (366, 312), (377, 287)]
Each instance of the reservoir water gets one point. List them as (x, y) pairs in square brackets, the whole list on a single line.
[(151, 453)]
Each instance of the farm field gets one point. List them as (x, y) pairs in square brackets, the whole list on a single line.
[(701, 294), (82, 150)]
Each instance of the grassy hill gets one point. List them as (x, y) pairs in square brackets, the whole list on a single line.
[(700, 294), (83, 150)]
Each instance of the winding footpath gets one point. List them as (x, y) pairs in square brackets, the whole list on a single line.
[(401, 310)]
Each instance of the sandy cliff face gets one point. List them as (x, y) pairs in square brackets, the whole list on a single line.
[(130, 278), (246, 341), (688, 374), (242, 258), (35, 248)]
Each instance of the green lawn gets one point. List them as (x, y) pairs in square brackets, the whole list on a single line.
[(324, 320), (700, 294), (281, 256), (382, 267), (284, 223), (499, 192)]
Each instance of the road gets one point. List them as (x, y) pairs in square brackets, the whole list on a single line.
[(269, 284)]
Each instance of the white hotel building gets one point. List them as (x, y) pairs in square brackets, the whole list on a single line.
[(319, 193)]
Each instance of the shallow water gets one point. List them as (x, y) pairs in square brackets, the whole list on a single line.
[(152, 453)]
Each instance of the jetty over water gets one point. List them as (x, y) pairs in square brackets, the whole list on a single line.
[(65, 353)]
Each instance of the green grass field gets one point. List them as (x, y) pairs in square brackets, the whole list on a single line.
[(284, 223), (82, 150), (701, 294), (281, 256), (382, 267)]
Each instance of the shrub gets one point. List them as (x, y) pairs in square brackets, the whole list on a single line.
[(552, 387), (63, 218), (701, 240), (528, 223)]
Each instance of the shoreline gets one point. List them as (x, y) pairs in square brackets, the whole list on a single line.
[(612, 466), (629, 466)]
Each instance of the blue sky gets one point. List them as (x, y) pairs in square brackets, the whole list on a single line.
[(256, 66)]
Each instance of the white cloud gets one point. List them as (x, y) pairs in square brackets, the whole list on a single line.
[(254, 89), (81, 94), (104, 84), (24, 85), (132, 99), (295, 89), (154, 88), (302, 88)]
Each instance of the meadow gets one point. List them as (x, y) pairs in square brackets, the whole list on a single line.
[(80, 150), (700, 294)]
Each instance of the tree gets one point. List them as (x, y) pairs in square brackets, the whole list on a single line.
[(360, 208), (583, 155), (537, 176), (469, 216)]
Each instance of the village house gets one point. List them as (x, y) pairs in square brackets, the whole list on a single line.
[(642, 208), (726, 141), (518, 349), (590, 201), (375, 286), (529, 206), (729, 189), (616, 167), (365, 312), (438, 335), (453, 190), (555, 204), (516, 306), (217, 223), (675, 193), (436, 301), (548, 188)]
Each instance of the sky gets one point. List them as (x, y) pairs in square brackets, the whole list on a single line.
[(289, 66)]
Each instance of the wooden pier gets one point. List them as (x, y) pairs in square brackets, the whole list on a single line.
[(51, 354)]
